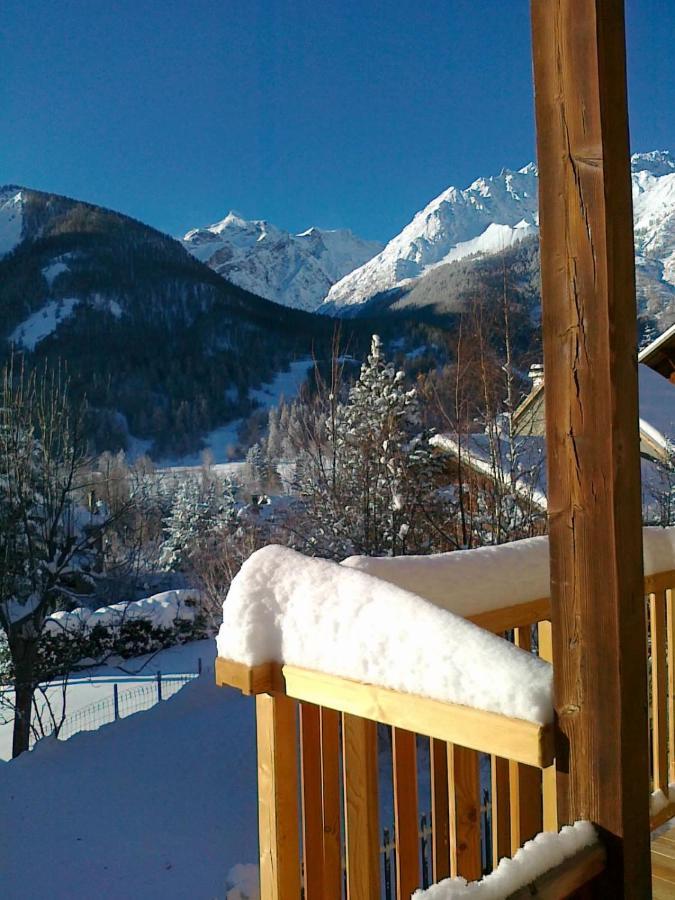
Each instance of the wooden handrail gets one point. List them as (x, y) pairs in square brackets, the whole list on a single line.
[(515, 739)]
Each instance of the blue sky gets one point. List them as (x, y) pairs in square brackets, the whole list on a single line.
[(337, 113)]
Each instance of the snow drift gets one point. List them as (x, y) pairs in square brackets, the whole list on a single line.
[(469, 582), (288, 608)]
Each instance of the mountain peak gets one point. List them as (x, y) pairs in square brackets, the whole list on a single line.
[(295, 270), (655, 162)]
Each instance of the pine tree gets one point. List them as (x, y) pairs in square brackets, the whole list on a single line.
[(370, 488), (199, 513)]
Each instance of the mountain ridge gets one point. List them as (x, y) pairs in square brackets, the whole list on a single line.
[(296, 270), (493, 214)]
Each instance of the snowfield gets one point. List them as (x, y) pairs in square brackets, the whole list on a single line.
[(158, 806), (43, 322)]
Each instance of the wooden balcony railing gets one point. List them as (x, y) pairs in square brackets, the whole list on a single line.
[(319, 812)]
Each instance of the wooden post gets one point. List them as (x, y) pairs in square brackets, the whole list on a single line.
[(589, 327), (278, 798)]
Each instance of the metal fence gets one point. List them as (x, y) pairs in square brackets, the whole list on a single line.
[(388, 850), (122, 703)]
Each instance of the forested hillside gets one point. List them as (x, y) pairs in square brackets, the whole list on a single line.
[(163, 348)]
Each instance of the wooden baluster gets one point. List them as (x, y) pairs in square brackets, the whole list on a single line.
[(330, 786), (657, 627), (277, 798), (311, 792), (670, 635), (501, 809), (548, 781), (463, 791), (359, 747), (440, 810), (525, 781), (404, 754)]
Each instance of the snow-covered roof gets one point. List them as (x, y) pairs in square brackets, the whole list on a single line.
[(477, 451), (658, 343)]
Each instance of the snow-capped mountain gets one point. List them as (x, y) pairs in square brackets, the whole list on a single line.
[(495, 213), (296, 270), (489, 215)]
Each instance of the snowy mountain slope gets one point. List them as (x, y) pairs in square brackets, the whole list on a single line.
[(496, 213), (296, 270), (164, 348), (11, 218), (490, 214)]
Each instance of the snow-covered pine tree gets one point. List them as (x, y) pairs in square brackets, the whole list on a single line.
[(199, 513), (370, 488)]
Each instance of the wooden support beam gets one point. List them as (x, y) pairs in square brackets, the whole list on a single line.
[(359, 747), (404, 761), (278, 825), (590, 344)]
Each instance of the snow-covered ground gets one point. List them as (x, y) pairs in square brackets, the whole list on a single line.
[(160, 806), (43, 322), (96, 684)]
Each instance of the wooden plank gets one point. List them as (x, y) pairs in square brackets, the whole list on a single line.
[(548, 778), (500, 620), (565, 879), (464, 794), (440, 810), (311, 794), (662, 581), (525, 782), (359, 747), (263, 679), (501, 809), (594, 503), (656, 821), (472, 728), (525, 803), (404, 754), (277, 798), (330, 786), (657, 630), (670, 634)]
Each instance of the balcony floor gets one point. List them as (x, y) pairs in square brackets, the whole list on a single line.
[(663, 866)]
